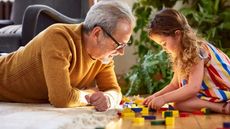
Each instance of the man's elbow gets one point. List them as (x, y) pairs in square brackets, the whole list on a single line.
[(58, 104), (63, 103)]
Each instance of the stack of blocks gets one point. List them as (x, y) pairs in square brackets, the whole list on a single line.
[(133, 108)]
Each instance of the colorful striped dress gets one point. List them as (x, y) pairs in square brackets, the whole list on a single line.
[(216, 81)]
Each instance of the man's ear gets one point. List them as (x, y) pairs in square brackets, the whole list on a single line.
[(95, 32)]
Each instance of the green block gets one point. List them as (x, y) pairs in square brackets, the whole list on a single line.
[(158, 122), (99, 128), (168, 114)]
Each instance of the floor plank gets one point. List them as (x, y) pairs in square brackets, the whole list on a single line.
[(211, 121)]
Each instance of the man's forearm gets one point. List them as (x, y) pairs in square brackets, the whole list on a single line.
[(82, 94), (114, 98)]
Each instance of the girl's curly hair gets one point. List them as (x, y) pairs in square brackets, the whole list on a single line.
[(166, 22)]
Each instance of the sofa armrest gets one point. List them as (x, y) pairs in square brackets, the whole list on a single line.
[(4, 23), (38, 17)]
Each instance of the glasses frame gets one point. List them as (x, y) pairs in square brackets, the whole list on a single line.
[(119, 45)]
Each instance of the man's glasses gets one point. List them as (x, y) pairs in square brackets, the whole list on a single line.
[(119, 45)]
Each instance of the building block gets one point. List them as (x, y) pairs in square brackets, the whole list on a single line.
[(99, 128), (167, 114), (163, 109), (206, 111), (184, 114), (226, 124), (126, 110), (119, 114), (133, 105), (128, 114), (122, 102), (158, 122), (145, 111), (149, 117), (170, 107), (137, 109), (140, 106), (198, 113), (126, 99), (169, 121), (138, 120), (139, 101), (175, 113)]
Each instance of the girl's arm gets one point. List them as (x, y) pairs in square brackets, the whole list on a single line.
[(173, 85), (191, 89)]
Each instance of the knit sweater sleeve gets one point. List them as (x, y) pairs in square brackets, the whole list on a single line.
[(56, 57), (107, 82)]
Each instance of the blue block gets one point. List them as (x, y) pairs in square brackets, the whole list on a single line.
[(149, 117), (170, 107), (226, 124), (137, 109)]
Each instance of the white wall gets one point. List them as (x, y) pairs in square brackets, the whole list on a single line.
[(123, 63)]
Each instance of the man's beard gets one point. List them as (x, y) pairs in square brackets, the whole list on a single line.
[(106, 60)]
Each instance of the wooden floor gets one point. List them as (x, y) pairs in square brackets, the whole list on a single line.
[(212, 121)]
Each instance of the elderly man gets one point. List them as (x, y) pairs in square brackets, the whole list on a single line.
[(61, 63)]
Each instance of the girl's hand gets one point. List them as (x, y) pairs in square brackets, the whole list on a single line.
[(148, 99), (156, 102)]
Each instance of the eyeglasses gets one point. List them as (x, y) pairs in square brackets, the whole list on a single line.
[(119, 45)]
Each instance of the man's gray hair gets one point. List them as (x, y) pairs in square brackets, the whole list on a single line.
[(107, 13)]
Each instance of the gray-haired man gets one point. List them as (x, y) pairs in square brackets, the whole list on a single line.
[(60, 64)]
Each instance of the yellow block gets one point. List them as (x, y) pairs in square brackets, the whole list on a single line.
[(139, 120), (128, 114), (127, 110), (139, 101), (203, 110), (169, 121), (126, 99), (175, 113), (134, 106), (145, 110)]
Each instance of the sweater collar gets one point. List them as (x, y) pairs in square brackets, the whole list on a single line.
[(79, 34)]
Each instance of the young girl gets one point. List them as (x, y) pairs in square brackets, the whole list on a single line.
[(201, 71)]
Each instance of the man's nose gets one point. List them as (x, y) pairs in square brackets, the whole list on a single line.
[(121, 51)]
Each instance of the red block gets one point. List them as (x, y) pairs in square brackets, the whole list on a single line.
[(198, 113), (163, 109), (184, 114)]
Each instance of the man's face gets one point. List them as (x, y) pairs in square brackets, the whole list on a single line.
[(114, 44)]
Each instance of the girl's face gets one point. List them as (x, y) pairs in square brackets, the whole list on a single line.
[(170, 43)]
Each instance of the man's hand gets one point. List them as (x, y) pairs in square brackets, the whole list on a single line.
[(99, 100)]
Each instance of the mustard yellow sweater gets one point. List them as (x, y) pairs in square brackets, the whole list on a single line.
[(54, 67)]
